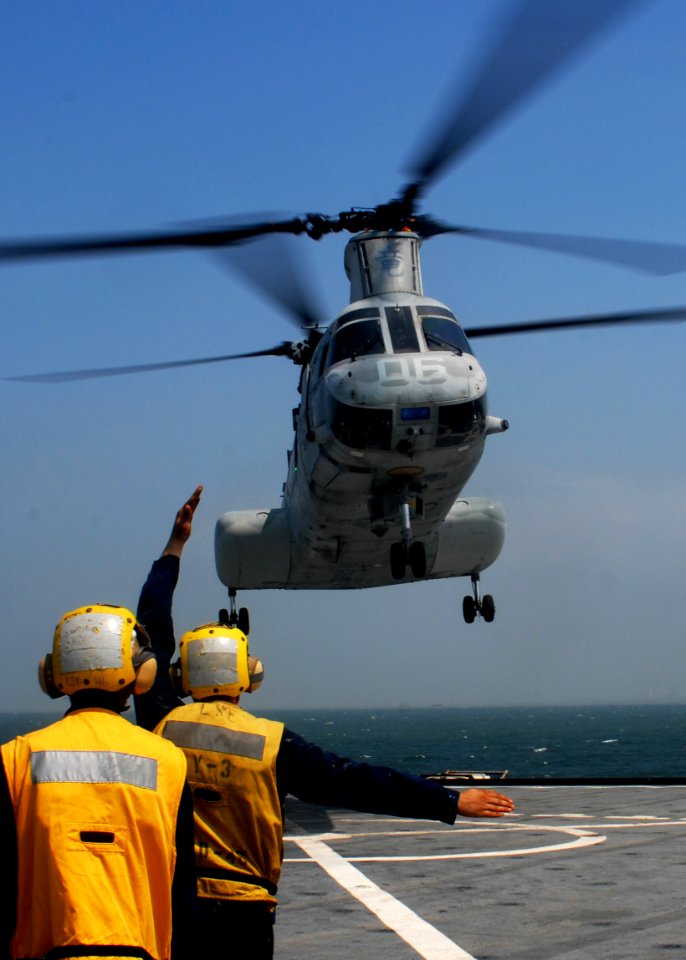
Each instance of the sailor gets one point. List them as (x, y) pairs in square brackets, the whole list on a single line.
[(241, 767), (96, 821)]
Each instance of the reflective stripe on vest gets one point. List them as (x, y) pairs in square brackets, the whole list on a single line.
[(93, 766), (209, 736)]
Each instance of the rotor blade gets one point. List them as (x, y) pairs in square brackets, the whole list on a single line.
[(651, 257), (670, 315), (219, 236), (282, 350), (540, 38), (274, 268)]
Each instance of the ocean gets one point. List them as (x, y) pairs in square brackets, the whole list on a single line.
[(536, 742)]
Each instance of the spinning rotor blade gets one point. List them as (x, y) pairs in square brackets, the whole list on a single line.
[(670, 315), (283, 281), (205, 237), (541, 36), (284, 349), (651, 257)]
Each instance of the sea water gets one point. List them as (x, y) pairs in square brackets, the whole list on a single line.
[(599, 741), (537, 742)]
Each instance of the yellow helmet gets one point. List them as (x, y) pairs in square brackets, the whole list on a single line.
[(97, 648), (214, 662)]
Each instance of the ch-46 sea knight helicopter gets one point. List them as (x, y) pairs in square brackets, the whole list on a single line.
[(392, 418)]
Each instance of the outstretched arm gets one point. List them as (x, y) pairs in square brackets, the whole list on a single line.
[(155, 602), (483, 803), (155, 613), (316, 776)]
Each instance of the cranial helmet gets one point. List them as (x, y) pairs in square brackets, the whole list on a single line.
[(214, 662), (101, 647)]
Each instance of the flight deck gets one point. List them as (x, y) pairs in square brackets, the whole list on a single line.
[(576, 872)]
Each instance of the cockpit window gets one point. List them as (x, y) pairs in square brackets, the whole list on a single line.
[(402, 330), (319, 361), (352, 316), (356, 340), (460, 422), (361, 427), (441, 333)]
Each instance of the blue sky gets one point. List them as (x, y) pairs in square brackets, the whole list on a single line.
[(127, 115)]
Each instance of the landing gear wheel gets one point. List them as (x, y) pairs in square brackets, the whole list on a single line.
[(469, 609), (243, 621), (487, 608), (235, 618), (417, 558), (398, 560)]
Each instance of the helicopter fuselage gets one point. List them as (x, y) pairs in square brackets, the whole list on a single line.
[(391, 425)]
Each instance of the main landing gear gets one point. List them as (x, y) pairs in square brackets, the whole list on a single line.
[(408, 552), (235, 618), (476, 604)]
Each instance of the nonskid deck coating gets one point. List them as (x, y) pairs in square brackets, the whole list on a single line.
[(576, 872)]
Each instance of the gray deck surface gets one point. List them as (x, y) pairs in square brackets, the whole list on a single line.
[(574, 873)]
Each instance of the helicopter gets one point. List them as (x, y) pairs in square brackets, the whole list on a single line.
[(393, 417)]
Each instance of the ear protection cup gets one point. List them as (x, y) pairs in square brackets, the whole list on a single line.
[(146, 671), (46, 678), (255, 672), (175, 677), (144, 661)]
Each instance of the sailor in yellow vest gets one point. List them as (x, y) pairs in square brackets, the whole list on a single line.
[(96, 823), (241, 767), (232, 772)]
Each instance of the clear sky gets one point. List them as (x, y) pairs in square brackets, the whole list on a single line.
[(128, 115)]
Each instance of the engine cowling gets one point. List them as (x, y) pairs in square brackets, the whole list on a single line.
[(470, 538), (252, 549)]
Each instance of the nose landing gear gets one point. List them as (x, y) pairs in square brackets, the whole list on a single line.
[(403, 555), (235, 618), (478, 605), (408, 551)]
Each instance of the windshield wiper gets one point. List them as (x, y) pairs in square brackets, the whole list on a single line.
[(440, 342)]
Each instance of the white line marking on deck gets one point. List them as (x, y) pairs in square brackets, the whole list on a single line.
[(426, 940)]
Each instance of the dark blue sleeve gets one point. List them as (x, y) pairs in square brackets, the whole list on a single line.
[(315, 776), (184, 886), (10, 868), (155, 613)]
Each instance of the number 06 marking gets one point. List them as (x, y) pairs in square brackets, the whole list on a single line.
[(400, 371)]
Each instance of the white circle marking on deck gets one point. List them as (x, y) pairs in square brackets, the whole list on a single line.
[(585, 835), (580, 838)]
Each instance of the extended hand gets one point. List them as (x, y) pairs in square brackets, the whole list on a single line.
[(483, 803), (183, 524)]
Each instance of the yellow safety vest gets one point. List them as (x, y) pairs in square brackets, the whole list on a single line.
[(95, 803), (231, 758)]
